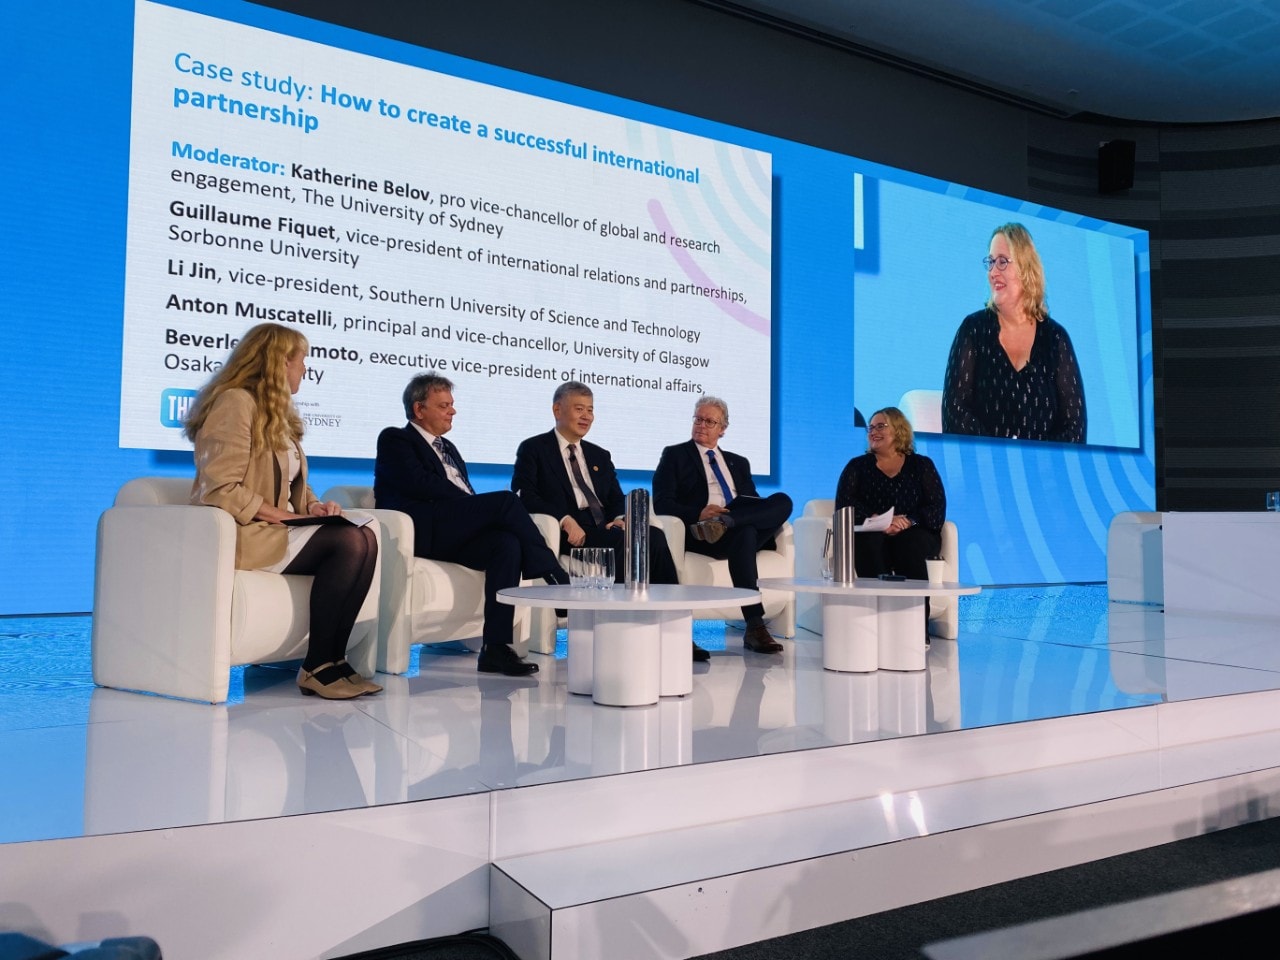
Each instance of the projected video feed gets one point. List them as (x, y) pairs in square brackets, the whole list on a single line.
[(925, 340), (407, 220)]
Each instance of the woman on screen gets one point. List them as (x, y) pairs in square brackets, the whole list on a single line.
[(891, 475), (1012, 371), (249, 462)]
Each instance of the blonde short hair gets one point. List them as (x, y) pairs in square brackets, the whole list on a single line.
[(904, 438)]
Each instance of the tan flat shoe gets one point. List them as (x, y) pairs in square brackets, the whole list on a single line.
[(366, 685), (328, 681)]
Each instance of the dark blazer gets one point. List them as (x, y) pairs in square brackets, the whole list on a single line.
[(409, 477), (680, 482), (541, 479)]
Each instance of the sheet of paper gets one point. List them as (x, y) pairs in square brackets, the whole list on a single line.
[(875, 524)]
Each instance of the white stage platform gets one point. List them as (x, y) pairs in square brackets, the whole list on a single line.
[(776, 797)]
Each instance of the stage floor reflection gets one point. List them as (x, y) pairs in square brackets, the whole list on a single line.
[(83, 761)]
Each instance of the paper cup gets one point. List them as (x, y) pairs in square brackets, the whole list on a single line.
[(937, 570)]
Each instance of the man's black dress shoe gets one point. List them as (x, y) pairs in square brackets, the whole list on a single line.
[(700, 655), (757, 638), (502, 659)]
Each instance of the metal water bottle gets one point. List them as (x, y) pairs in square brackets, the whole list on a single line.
[(636, 573), (842, 525)]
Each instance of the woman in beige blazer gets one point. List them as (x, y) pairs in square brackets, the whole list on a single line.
[(249, 462)]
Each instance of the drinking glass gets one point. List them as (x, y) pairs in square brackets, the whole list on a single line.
[(578, 572), (828, 571), (606, 568), (1273, 500)]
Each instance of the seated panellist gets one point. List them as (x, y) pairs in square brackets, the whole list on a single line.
[(420, 472), (249, 462), (711, 490), (891, 475), (561, 474)]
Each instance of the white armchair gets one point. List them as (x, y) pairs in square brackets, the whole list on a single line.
[(694, 568), (422, 601), (811, 535), (171, 613), (1135, 557), (543, 621)]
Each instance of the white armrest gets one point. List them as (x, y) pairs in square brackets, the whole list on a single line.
[(543, 622), (673, 529), (549, 527), (395, 601), (162, 600)]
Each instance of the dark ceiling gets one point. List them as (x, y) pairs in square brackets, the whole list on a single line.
[(1179, 61)]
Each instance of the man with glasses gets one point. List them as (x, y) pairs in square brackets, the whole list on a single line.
[(711, 490), (561, 474)]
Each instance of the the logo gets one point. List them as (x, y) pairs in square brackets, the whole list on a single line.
[(174, 404)]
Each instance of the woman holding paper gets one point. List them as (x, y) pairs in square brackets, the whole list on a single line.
[(249, 462), (892, 476)]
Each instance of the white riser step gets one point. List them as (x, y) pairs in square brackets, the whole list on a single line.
[(543, 906)]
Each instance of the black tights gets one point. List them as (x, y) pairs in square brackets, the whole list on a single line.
[(341, 559)]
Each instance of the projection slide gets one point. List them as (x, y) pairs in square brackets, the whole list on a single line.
[(407, 220)]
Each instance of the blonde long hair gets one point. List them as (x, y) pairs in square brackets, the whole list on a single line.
[(1030, 270), (257, 364)]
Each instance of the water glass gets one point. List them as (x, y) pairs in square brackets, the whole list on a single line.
[(578, 571), (605, 569), (1273, 500), (828, 570)]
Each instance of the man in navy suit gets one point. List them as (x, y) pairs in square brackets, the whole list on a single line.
[(422, 474), (561, 474), (712, 491)]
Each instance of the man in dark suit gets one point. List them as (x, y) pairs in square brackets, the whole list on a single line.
[(422, 474), (712, 491), (559, 473)]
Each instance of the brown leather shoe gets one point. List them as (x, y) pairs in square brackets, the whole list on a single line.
[(709, 531), (757, 639)]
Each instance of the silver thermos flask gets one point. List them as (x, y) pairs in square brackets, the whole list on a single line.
[(842, 525), (636, 573)]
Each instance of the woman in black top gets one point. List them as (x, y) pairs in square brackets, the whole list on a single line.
[(892, 474), (1012, 371)]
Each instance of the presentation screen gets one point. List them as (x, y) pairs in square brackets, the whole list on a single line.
[(182, 171), (406, 220), (919, 273)]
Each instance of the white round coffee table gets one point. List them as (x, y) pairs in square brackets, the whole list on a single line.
[(628, 648), (872, 624)]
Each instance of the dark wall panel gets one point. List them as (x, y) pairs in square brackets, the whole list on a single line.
[(1220, 315)]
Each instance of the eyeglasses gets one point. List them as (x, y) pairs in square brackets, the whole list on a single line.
[(998, 262), (705, 422), (877, 427)]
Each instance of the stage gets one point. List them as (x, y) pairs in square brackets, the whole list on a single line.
[(777, 796)]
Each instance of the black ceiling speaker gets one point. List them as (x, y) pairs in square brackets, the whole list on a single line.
[(1115, 165)]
